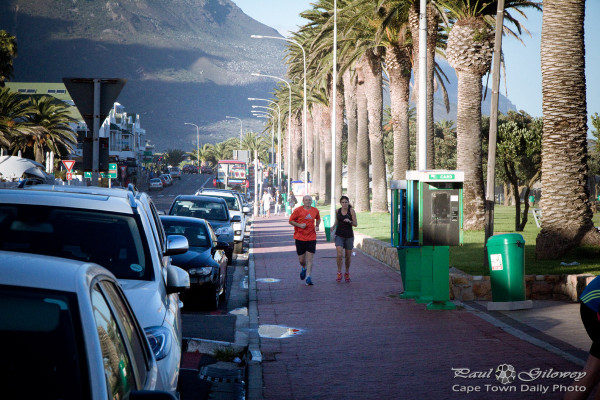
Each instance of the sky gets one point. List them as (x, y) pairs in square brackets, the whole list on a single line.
[(523, 72)]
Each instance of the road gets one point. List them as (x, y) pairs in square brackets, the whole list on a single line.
[(202, 328)]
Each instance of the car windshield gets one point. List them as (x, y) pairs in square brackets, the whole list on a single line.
[(109, 239), (232, 203), (195, 233), (212, 211), (40, 326)]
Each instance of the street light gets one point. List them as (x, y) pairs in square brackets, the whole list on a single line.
[(333, 117), (197, 141), (289, 157), (278, 137), (304, 110), (241, 128)]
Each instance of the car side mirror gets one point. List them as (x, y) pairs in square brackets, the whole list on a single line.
[(236, 218), (176, 244), (246, 210), (178, 279)]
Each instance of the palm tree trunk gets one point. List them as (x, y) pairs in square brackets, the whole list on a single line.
[(468, 148), (350, 103), (310, 144), (296, 145), (339, 132), (566, 210), (362, 144), (373, 89), (326, 150), (317, 159), (432, 28), (397, 60)]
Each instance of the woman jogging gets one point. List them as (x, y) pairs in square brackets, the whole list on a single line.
[(345, 219)]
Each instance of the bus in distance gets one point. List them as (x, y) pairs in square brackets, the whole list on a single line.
[(231, 174)]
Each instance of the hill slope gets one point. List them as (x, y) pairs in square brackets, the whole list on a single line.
[(185, 60)]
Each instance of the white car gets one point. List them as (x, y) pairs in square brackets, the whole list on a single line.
[(69, 333), (155, 184), (118, 229), (236, 207)]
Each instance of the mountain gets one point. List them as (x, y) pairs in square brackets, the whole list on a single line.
[(184, 60)]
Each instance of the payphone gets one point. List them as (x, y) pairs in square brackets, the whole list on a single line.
[(427, 218)]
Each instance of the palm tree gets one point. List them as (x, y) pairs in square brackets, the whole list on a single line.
[(567, 215), (48, 121), (8, 51), (469, 52), (350, 82), (13, 111)]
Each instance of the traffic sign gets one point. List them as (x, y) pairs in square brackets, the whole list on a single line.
[(68, 164), (69, 176), (123, 170), (81, 91), (112, 170)]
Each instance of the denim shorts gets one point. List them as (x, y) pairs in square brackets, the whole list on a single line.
[(346, 243)]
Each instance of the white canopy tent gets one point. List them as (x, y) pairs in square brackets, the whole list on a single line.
[(14, 168)]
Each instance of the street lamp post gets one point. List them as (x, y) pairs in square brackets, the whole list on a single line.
[(333, 117), (241, 128), (278, 137), (289, 157), (304, 107), (272, 136), (197, 142)]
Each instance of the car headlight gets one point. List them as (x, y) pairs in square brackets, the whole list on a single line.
[(224, 230), (200, 271), (159, 338)]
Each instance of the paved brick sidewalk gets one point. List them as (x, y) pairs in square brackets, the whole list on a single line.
[(359, 340)]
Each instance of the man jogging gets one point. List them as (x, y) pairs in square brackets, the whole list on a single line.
[(306, 220)]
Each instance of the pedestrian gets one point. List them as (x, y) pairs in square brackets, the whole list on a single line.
[(278, 201), (266, 200), (345, 219), (306, 220), (589, 311), (292, 201)]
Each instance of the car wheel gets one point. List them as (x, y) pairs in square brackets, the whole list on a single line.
[(213, 297), (238, 248)]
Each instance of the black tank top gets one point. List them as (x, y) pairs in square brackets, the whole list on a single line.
[(344, 229)]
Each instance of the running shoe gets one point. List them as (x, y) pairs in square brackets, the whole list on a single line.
[(339, 277), (303, 273), (347, 277), (309, 281)]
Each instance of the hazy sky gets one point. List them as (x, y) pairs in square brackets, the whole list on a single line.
[(523, 73)]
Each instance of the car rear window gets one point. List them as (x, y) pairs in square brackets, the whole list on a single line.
[(210, 210), (109, 239), (196, 234)]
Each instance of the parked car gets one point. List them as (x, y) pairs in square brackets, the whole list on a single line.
[(175, 172), (167, 178), (156, 184), (70, 333), (212, 209), (205, 261), (118, 229), (205, 169), (236, 206), (190, 169)]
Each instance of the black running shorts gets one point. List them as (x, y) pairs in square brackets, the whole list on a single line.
[(302, 246)]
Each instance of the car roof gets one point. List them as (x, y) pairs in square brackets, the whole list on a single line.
[(84, 197), (187, 220), (213, 193), (40, 271), (200, 197)]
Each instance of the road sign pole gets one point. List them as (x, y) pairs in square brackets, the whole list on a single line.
[(96, 134)]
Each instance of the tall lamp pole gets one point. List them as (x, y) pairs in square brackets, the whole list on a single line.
[(289, 156), (304, 107), (278, 137), (333, 117), (197, 141), (241, 128)]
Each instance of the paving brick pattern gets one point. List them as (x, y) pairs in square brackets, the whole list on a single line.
[(359, 340)]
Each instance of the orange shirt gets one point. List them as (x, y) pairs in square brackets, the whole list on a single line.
[(308, 217)]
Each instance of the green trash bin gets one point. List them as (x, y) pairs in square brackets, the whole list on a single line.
[(327, 226), (506, 256)]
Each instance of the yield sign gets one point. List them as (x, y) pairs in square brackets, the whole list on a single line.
[(81, 91), (68, 164)]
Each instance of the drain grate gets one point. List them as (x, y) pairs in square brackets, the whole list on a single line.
[(212, 374)]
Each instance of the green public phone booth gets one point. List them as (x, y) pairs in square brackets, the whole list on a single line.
[(427, 218)]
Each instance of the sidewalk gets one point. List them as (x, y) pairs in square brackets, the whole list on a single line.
[(359, 340)]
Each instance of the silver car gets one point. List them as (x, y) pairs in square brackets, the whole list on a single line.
[(117, 229), (69, 333)]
